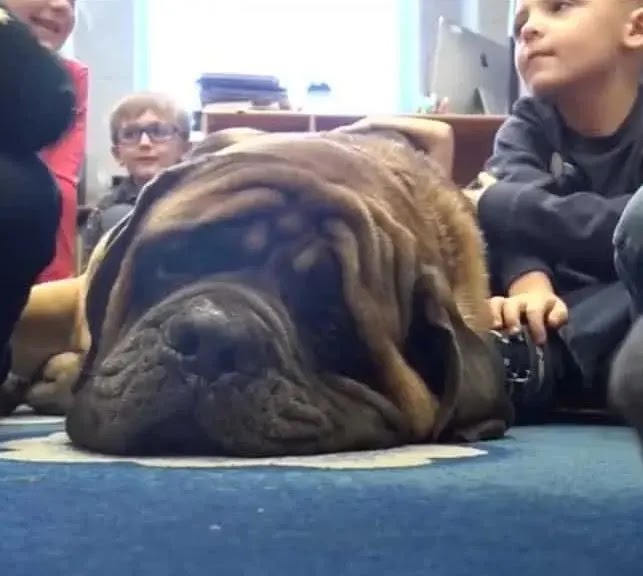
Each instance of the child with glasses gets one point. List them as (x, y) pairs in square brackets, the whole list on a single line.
[(149, 133)]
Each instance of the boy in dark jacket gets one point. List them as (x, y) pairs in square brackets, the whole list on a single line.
[(149, 133), (36, 107), (565, 165)]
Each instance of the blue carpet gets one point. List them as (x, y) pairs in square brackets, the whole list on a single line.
[(554, 500)]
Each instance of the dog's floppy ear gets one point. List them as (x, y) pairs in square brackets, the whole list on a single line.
[(459, 365)]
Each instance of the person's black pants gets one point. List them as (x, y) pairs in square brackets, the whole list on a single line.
[(29, 217)]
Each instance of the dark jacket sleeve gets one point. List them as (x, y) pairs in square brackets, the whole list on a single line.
[(91, 234), (108, 212), (508, 265), (36, 91), (527, 213)]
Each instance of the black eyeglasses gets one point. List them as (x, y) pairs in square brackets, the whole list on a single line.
[(157, 132)]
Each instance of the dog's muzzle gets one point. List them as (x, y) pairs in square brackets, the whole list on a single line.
[(219, 368)]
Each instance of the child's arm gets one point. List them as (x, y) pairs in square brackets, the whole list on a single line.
[(434, 137), (522, 202)]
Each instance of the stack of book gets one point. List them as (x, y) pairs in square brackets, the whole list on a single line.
[(237, 92)]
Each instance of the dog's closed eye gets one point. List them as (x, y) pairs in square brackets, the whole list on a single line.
[(208, 251)]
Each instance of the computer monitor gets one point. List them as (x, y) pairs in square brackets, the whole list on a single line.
[(471, 70)]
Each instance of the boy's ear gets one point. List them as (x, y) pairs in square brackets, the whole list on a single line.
[(634, 32), (116, 154)]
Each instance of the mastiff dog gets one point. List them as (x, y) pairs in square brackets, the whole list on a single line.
[(280, 294)]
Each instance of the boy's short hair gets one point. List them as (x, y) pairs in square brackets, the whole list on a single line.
[(134, 105)]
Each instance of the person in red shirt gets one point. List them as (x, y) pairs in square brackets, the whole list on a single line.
[(36, 109), (52, 22), (65, 159)]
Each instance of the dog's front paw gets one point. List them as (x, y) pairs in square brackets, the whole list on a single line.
[(12, 393), (52, 393)]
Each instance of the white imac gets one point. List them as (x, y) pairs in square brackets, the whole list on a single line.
[(471, 70)]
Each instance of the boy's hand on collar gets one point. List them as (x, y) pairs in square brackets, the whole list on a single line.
[(478, 187)]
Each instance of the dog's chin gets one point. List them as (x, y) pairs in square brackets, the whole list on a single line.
[(216, 369)]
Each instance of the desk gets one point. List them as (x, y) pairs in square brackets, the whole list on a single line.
[(473, 134)]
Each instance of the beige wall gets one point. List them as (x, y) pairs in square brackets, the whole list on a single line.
[(104, 40)]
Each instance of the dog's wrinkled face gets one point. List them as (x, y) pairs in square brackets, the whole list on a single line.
[(283, 316), (238, 362)]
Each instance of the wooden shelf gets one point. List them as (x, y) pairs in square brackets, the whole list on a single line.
[(474, 135)]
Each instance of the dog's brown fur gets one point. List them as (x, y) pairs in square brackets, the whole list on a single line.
[(51, 339), (431, 223)]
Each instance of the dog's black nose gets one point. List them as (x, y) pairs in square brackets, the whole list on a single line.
[(212, 341)]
